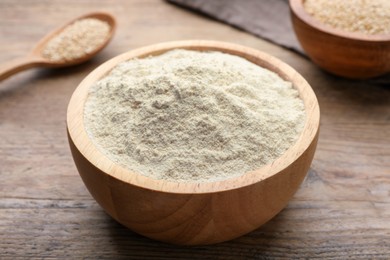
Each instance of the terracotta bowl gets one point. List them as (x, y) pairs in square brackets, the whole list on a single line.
[(350, 55), (193, 213)]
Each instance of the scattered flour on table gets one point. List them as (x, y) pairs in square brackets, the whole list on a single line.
[(187, 116)]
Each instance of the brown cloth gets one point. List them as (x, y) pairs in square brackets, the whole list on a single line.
[(268, 19)]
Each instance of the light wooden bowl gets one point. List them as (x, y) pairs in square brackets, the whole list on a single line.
[(193, 213), (351, 55)]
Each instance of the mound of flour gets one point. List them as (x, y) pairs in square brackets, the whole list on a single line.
[(187, 116)]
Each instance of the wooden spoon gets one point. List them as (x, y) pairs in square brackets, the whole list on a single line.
[(36, 59)]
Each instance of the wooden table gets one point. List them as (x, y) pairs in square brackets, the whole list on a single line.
[(342, 209)]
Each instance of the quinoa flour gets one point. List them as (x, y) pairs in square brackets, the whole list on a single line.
[(187, 116)]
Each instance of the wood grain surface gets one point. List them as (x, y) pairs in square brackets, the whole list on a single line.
[(341, 210)]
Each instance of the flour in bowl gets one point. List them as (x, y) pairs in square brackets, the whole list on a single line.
[(191, 116)]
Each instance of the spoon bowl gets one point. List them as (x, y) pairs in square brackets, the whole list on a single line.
[(36, 59)]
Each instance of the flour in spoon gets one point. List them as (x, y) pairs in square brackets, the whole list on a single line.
[(77, 40), (189, 116)]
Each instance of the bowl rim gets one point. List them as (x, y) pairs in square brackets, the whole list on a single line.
[(83, 143), (296, 7)]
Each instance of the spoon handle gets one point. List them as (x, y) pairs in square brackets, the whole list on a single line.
[(9, 68)]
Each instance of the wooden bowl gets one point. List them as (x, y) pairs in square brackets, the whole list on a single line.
[(347, 54), (193, 213)]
